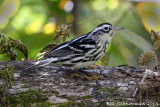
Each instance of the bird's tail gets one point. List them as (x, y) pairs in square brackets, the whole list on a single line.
[(39, 63), (23, 72)]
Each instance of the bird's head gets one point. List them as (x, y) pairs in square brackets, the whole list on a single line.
[(105, 31)]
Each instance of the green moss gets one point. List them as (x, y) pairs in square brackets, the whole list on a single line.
[(65, 104), (70, 98), (27, 98), (108, 90), (25, 84), (101, 89), (7, 74), (55, 92), (86, 97), (43, 104), (70, 104)]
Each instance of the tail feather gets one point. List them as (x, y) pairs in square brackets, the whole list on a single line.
[(39, 63), (23, 72)]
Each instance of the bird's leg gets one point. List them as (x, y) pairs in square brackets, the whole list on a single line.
[(81, 74), (92, 67), (93, 76)]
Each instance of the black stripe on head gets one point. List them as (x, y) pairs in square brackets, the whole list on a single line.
[(104, 24)]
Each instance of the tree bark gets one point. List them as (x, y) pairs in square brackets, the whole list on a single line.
[(112, 85)]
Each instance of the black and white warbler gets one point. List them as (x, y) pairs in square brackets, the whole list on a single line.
[(82, 51)]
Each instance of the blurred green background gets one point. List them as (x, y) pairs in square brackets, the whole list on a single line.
[(34, 22)]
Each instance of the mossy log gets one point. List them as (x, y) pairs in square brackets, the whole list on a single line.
[(111, 86)]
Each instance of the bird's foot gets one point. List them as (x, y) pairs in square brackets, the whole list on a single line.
[(85, 75), (93, 66), (96, 77), (80, 75)]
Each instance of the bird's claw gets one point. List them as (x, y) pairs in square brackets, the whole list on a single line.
[(85, 76), (81, 76)]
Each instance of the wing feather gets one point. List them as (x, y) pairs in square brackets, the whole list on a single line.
[(78, 45)]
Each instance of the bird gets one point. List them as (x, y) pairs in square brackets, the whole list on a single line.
[(82, 51)]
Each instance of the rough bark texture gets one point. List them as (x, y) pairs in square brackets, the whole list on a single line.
[(115, 85)]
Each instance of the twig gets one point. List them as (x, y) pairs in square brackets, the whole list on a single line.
[(157, 62), (144, 77)]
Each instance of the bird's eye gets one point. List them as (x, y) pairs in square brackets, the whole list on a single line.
[(106, 28)]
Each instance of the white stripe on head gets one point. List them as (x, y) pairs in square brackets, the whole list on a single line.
[(99, 28)]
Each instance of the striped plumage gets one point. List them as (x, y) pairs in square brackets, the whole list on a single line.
[(82, 51)]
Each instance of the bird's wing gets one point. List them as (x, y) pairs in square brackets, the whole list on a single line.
[(75, 46), (60, 50)]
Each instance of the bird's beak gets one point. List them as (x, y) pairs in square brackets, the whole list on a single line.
[(116, 28)]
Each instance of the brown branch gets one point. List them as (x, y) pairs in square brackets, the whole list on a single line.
[(116, 84)]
